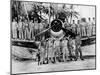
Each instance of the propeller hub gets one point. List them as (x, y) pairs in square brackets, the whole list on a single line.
[(56, 25)]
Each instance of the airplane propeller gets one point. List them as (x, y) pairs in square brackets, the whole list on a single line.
[(56, 27)]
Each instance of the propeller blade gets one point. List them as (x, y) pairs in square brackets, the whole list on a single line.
[(69, 32), (44, 31)]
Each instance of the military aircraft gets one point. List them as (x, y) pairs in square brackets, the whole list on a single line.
[(56, 30)]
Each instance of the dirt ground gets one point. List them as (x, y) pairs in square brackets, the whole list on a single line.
[(32, 67)]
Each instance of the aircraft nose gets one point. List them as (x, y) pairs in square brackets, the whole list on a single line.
[(56, 25)]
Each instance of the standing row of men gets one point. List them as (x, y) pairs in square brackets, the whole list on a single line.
[(84, 28), (26, 29), (60, 50)]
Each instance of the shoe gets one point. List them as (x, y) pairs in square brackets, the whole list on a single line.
[(82, 59)]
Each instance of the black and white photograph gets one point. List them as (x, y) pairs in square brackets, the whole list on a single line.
[(52, 37)]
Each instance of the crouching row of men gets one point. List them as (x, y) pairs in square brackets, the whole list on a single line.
[(55, 50)]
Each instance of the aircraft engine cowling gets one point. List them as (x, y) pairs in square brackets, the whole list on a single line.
[(56, 28)]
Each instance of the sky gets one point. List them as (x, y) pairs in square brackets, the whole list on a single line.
[(86, 11)]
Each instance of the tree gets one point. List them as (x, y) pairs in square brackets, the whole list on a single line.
[(72, 13), (63, 14), (38, 9), (54, 11), (16, 8)]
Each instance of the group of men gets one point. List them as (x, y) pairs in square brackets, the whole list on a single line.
[(83, 27), (59, 50), (27, 29)]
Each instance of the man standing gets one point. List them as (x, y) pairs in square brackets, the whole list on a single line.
[(41, 29), (41, 53), (36, 28), (74, 26), (89, 28), (56, 48), (65, 52), (31, 26), (83, 27), (72, 48), (50, 50), (78, 47), (41, 26), (14, 29), (93, 26), (26, 31), (20, 29), (66, 25), (78, 27)]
